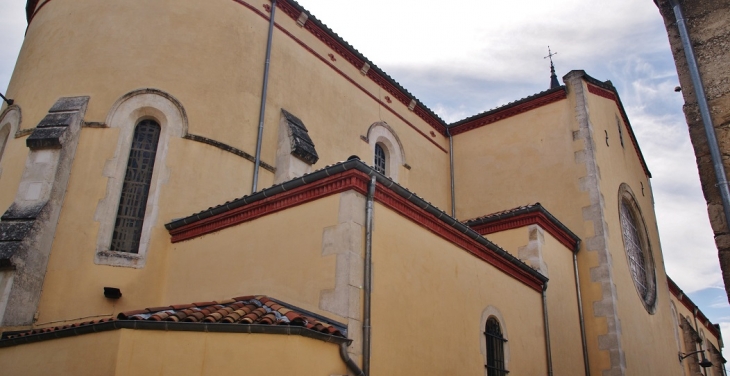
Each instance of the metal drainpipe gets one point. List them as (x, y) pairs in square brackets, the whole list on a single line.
[(349, 362), (257, 160), (694, 73), (451, 165), (547, 330), (580, 310), (366, 328)]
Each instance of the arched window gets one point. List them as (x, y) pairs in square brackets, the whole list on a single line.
[(638, 252), (388, 155), (495, 348), (380, 162), (136, 187), (4, 135)]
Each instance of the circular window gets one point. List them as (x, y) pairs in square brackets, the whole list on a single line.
[(638, 251)]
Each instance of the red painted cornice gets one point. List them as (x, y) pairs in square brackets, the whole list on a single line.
[(527, 219), (690, 305), (612, 95), (358, 181), (509, 111)]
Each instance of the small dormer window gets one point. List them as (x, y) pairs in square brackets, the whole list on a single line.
[(380, 159)]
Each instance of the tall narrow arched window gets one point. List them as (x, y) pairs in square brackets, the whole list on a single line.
[(380, 159), (136, 187), (495, 348)]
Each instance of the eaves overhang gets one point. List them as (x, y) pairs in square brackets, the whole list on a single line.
[(353, 175), (534, 214), (510, 109)]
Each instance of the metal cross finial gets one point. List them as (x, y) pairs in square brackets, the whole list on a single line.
[(553, 78), (550, 55)]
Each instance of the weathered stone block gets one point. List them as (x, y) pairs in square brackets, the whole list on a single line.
[(46, 138), (15, 230), (69, 104), (56, 120), (18, 212), (8, 249)]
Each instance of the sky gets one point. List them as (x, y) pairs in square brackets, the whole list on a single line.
[(463, 58)]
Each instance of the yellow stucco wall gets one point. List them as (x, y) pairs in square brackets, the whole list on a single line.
[(152, 352), (279, 255), (565, 339), (645, 353), (221, 97), (520, 160), (531, 157), (428, 300), (175, 353), (91, 354), (60, 59)]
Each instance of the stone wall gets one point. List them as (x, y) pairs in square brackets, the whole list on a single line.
[(709, 31)]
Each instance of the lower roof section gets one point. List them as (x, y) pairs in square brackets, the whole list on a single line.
[(246, 314), (353, 175)]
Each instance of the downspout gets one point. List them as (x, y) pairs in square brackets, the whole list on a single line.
[(547, 330), (366, 328), (257, 160), (694, 73), (581, 317), (451, 165), (348, 361)]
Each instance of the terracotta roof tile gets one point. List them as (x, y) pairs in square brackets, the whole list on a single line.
[(241, 310), (258, 310)]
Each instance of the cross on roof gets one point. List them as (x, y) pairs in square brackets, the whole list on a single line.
[(550, 55), (553, 78)]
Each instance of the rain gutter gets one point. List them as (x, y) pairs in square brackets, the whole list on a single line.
[(174, 326), (547, 330), (451, 165), (581, 316), (368, 285), (264, 89), (694, 72)]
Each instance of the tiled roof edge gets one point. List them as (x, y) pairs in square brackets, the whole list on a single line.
[(608, 85), (689, 304), (537, 207), (362, 57), (355, 163), (174, 326), (507, 106)]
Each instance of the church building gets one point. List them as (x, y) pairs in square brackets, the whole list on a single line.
[(209, 187)]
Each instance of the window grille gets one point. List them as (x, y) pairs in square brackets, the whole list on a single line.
[(635, 252), (379, 159), (136, 187), (495, 348)]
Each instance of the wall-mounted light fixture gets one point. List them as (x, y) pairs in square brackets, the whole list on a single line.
[(704, 363), (8, 101), (112, 293)]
